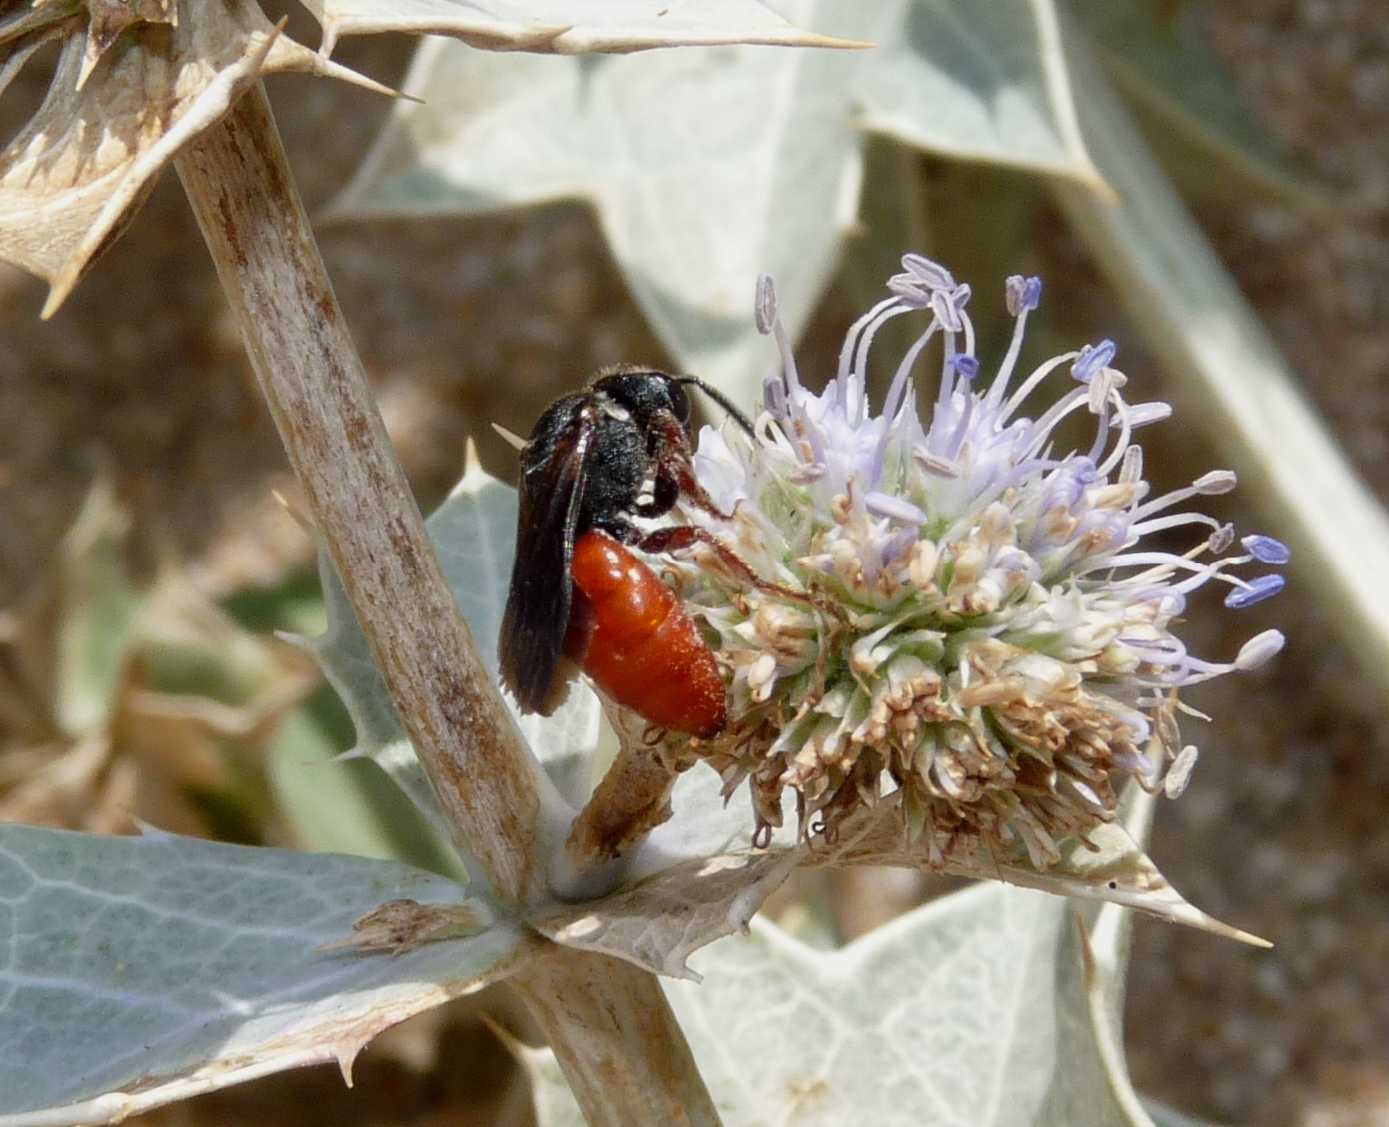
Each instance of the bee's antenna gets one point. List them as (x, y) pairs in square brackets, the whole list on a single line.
[(721, 399)]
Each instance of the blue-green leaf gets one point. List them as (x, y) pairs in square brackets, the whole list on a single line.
[(708, 167), (139, 970), (475, 533)]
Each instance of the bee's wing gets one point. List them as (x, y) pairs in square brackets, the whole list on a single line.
[(554, 470)]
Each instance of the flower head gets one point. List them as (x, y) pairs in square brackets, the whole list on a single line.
[(948, 609)]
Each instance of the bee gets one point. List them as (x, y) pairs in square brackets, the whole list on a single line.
[(597, 459)]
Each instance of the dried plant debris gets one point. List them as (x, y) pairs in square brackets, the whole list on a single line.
[(135, 82), (130, 88), (126, 704), (402, 925)]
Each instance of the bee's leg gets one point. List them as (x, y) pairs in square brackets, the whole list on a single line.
[(675, 476), (683, 536), (680, 537)]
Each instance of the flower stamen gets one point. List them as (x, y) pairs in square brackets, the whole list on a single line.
[(956, 617)]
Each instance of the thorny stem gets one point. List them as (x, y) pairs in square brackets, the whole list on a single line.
[(243, 194), (622, 1050)]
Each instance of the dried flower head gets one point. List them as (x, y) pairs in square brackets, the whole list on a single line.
[(136, 81), (985, 626)]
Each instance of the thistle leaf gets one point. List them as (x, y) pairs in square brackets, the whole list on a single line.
[(1160, 58), (656, 919), (568, 27), (1112, 869), (981, 82), (658, 923), (141, 970), (963, 1005), (136, 81), (989, 1006), (709, 168), (475, 532), (338, 806)]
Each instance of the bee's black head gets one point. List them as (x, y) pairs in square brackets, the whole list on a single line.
[(645, 392)]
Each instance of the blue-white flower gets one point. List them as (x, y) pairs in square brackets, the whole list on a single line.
[(986, 627)]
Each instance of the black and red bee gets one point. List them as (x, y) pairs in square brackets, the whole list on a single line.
[(596, 459)]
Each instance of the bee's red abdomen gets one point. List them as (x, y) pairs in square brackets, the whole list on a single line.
[(643, 650)]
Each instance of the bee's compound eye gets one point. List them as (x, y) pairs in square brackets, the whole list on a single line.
[(679, 401)]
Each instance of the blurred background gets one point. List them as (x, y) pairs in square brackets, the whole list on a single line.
[(138, 480)]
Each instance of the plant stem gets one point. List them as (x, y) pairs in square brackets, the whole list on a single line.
[(632, 799), (610, 1023), (600, 1019), (243, 194)]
